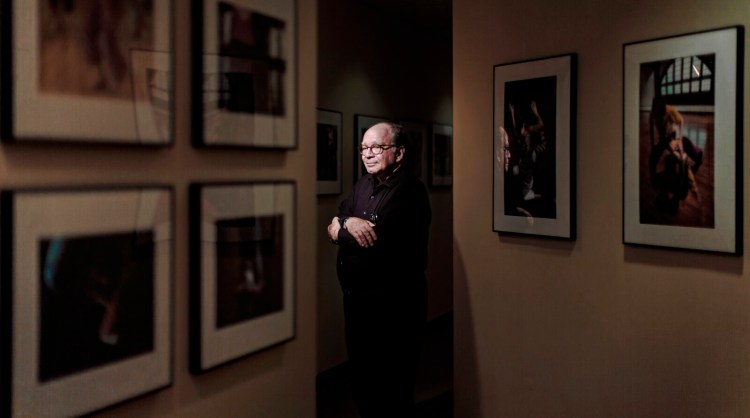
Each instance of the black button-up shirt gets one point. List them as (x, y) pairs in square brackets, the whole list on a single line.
[(400, 210)]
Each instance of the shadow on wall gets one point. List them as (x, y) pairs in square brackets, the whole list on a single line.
[(467, 398)]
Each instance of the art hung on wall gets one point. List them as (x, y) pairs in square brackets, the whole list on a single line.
[(417, 137), (94, 71), (242, 270), (534, 147), (329, 151), (244, 73), (682, 110), (87, 298), (441, 155)]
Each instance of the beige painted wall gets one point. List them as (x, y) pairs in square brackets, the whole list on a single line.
[(279, 382), (589, 328), (371, 64)]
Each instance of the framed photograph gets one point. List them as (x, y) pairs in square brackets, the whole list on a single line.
[(242, 296), (330, 151), (361, 124), (534, 147), (441, 155), (86, 298), (417, 134), (95, 72), (682, 125), (244, 73)]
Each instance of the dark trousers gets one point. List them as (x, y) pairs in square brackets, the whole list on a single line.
[(384, 330)]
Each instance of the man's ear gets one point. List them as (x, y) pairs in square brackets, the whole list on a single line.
[(400, 154)]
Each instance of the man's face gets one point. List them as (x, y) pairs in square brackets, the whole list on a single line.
[(378, 164), (506, 148)]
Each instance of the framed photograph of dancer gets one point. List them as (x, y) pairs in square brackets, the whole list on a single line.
[(244, 74), (87, 298), (242, 296), (361, 124), (329, 151), (682, 141), (534, 130), (94, 72)]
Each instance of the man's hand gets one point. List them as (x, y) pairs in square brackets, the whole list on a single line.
[(333, 229), (363, 231)]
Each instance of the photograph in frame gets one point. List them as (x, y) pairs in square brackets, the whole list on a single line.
[(87, 322), (329, 152), (682, 141), (361, 124), (245, 73), (80, 66), (417, 137), (534, 147), (441, 155), (242, 270)]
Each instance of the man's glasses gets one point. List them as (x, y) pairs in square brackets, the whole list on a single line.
[(375, 149)]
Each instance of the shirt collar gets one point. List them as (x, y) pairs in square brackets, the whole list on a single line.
[(389, 182)]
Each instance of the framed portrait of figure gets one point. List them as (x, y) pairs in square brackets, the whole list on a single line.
[(682, 142), (329, 151), (534, 147), (244, 73), (94, 72), (242, 292), (86, 298)]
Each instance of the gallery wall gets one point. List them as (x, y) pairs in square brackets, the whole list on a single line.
[(375, 63), (592, 327), (257, 385)]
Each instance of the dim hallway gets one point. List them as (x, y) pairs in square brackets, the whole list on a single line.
[(434, 388)]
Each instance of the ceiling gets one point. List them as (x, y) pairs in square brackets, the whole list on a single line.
[(432, 15)]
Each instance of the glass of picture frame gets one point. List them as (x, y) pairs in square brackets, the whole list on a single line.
[(242, 238), (417, 134), (244, 74), (87, 298), (329, 151), (93, 73), (534, 147), (441, 155), (682, 141)]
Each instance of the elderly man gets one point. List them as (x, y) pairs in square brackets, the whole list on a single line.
[(382, 230)]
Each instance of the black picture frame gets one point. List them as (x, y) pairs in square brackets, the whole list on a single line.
[(242, 286), (118, 91), (418, 137), (441, 155), (330, 152), (86, 297), (244, 74), (682, 141), (534, 134)]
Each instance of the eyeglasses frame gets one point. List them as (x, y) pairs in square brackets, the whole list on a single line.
[(382, 148)]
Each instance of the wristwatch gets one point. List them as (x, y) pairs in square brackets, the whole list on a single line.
[(342, 222)]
